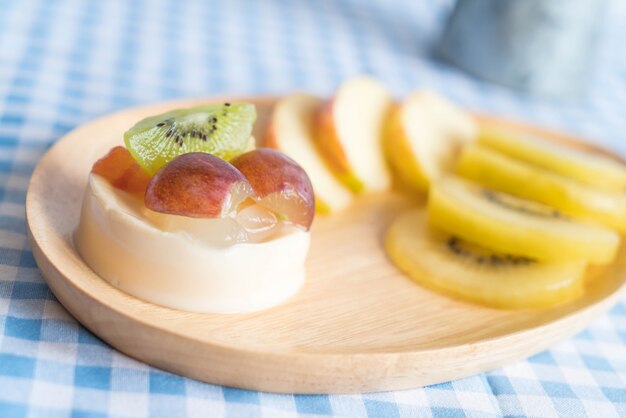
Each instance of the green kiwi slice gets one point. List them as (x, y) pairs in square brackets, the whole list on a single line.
[(223, 130)]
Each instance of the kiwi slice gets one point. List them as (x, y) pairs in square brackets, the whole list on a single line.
[(506, 174), (513, 225), (450, 265), (588, 168), (223, 130)]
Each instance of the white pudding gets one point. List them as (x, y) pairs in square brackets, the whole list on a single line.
[(184, 269)]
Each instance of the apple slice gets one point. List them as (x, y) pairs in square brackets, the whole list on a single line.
[(279, 184), (349, 129), (291, 131), (197, 185), (425, 136)]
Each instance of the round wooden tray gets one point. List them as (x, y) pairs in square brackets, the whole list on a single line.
[(357, 325)]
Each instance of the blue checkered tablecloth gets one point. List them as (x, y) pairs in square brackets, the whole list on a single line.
[(64, 62)]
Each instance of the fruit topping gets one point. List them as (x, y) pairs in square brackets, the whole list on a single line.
[(279, 184), (197, 185), (223, 130), (259, 222), (120, 169)]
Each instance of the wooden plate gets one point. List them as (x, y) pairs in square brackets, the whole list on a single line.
[(358, 324)]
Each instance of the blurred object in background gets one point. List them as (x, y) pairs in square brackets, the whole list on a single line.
[(544, 47)]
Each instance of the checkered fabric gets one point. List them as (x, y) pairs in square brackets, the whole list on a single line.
[(65, 62)]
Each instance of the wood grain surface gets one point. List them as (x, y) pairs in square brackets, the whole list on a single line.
[(357, 325)]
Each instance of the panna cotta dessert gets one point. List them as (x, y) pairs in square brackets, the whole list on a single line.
[(168, 222)]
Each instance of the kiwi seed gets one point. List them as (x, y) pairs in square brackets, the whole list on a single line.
[(455, 245), (496, 198)]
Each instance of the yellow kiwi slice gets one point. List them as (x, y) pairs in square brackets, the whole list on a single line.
[(452, 266), (592, 169), (513, 225), (501, 172)]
